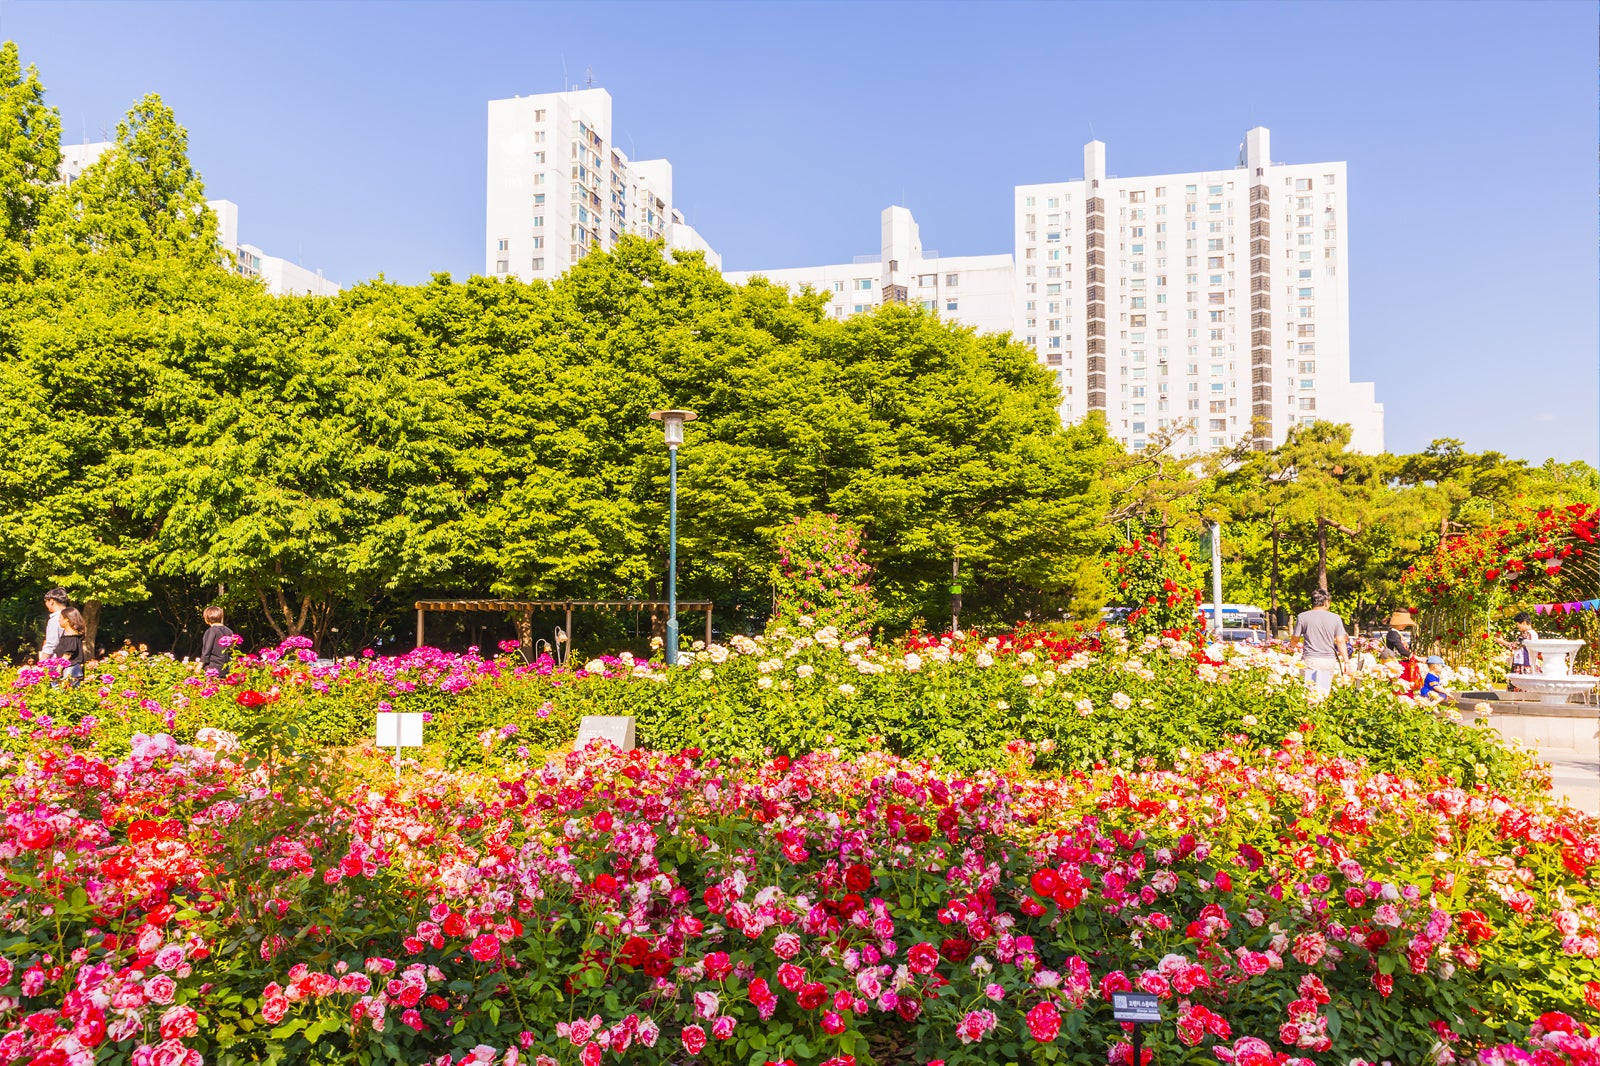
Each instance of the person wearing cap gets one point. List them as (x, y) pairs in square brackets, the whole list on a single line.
[(1433, 681), (55, 601)]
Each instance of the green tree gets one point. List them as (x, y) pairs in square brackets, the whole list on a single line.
[(30, 146), (142, 197)]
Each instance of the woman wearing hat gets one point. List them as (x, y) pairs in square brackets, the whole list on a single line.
[(1396, 639)]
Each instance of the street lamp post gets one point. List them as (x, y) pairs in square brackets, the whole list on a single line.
[(672, 423)]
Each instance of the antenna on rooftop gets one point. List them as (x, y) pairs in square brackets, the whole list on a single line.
[(589, 76)]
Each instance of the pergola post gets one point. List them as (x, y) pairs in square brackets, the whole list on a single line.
[(419, 627), (708, 625)]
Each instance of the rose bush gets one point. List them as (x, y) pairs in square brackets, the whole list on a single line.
[(182, 904), (960, 700)]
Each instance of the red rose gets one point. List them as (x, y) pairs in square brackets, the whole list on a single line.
[(484, 947), (858, 878), (812, 995), (1044, 1022), (37, 836), (918, 833), (455, 925), (955, 949), (1045, 882), (694, 1039), (922, 958)]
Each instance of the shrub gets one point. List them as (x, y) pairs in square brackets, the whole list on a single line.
[(822, 574), (1287, 907)]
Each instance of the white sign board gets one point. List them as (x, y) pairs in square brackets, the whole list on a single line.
[(618, 729), (399, 729)]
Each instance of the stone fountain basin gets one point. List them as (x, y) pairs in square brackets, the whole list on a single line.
[(1528, 717)]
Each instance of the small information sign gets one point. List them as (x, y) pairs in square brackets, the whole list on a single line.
[(1135, 1007), (399, 729), (618, 729)]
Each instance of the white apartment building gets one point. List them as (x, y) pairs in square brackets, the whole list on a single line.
[(1200, 305), (281, 277), (559, 186), (974, 290), (74, 157)]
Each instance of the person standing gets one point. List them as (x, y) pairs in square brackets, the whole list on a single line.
[(214, 653), (69, 645), (55, 601), (1324, 646), (1521, 655)]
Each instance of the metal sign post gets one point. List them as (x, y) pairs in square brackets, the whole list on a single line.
[(399, 730), (1139, 1008)]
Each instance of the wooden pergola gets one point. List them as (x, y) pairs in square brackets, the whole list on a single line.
[(527, 608)]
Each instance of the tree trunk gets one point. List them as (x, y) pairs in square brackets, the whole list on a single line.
[(1322, 554), (91, 627)]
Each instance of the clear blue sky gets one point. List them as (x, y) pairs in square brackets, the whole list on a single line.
[(352, 137)]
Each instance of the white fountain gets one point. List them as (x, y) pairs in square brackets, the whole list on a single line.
[(1555, 682)]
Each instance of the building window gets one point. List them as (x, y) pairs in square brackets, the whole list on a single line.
[(1308, 403), (928, 281), (838, 286), (538, 264), (862, 308), (502, 245), (864, 284), (538, 220), (950, 305), (502, 266), (955, 279), (1302, 185)]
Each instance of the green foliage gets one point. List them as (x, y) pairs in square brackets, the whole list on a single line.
[(795, 691), (142, 198), (30, 147)]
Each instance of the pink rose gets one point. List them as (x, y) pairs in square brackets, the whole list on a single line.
[(694, 1039)]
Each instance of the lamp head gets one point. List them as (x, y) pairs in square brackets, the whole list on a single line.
[(672, 422)]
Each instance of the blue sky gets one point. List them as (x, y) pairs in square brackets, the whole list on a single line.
[(352, 137)]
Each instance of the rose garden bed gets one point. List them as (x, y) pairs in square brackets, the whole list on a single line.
[(248, 896)]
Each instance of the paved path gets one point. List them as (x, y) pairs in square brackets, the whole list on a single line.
[(1575, 777)]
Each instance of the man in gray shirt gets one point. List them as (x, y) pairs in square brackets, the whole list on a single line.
[(1324, 648), (55, 601)]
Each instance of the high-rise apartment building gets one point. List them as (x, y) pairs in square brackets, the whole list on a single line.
[(975, 290), (559, 186), (1209, 305)]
